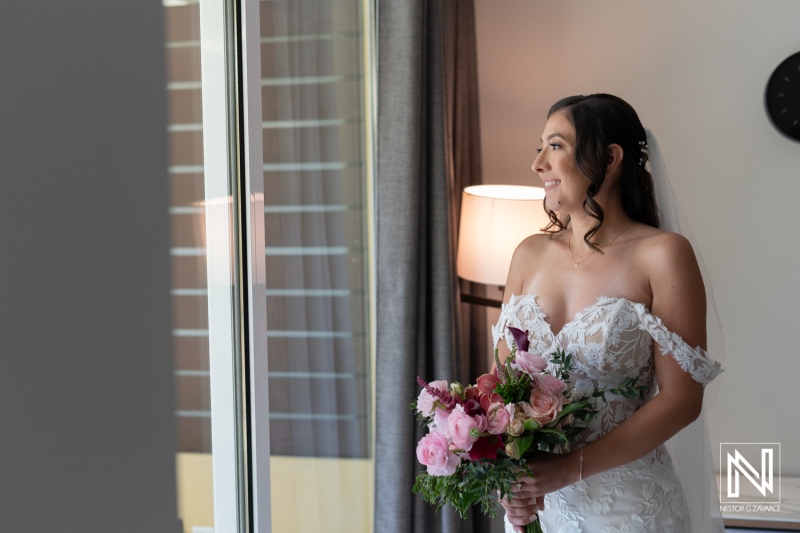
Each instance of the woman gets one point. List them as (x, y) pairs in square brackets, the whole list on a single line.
[(627, 300)]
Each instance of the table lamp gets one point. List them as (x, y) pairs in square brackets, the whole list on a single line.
[(494, 220)]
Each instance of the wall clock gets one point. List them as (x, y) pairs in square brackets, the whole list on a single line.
[(783, 97)]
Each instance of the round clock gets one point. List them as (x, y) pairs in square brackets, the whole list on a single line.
[(783, 97)]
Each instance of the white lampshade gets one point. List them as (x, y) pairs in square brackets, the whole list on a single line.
[(494, 220)]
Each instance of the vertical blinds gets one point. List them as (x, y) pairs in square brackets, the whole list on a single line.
[(315, 227)]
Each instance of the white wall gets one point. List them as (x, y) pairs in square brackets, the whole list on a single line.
[(696, 73), (87, 432)]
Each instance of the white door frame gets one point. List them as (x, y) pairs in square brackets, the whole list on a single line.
[(235, 344)]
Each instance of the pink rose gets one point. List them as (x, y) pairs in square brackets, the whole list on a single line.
[(461, 426), (433, 450), (517, 425), (551, 384), (543, 407), (426, 400), (497, 418), (512, 450), (530, 363)]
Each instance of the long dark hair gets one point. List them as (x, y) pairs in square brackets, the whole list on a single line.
[(601, 120)]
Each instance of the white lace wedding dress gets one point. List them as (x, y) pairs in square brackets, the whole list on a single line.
[(611, 340)]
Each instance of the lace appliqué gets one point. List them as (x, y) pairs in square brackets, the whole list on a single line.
[(523, 313), (658, 504), (695, 361), (634, 524), (613, 484), (612, 340)]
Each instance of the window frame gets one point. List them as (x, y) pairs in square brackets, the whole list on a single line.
[(234, 205), (230, 46)]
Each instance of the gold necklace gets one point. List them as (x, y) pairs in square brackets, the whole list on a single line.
[(581, 258)]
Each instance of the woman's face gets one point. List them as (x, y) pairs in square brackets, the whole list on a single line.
[(564, 185)]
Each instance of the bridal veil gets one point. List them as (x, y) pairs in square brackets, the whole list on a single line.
[(690, 448)]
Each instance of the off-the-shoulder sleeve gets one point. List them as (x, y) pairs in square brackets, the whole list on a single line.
[(695, 361)]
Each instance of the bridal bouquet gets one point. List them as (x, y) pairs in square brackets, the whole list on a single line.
[(479, 435)]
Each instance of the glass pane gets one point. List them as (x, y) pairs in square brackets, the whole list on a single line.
[(316, 216), (189, 283)]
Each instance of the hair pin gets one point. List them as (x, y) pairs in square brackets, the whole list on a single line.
[(643, 147)]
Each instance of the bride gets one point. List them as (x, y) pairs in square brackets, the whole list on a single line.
[(627, 300)]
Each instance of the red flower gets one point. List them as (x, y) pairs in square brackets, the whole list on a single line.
[(486, 448), (488, 399), (485, 390), (487, 383)]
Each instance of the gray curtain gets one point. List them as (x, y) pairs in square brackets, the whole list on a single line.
[(428, 150)]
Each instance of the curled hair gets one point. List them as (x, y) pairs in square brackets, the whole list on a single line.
[(601, 120)]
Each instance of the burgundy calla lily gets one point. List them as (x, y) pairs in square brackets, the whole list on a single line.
[(520, 338), (472, 408)]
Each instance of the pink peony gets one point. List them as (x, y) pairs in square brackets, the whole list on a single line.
[(512, 409), (551, 384), (543, 407), (530, 363), (440, 422), (461, 426), (426, 400), (497, 418), (433, 450)]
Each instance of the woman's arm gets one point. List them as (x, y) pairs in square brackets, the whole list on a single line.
[(521, 262)]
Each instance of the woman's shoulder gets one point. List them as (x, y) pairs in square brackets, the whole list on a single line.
[(537, 242), (528, 257), (668, 261), (661, 248)]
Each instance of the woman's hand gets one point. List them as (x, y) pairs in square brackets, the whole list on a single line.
[(520, 506), (551, 472)]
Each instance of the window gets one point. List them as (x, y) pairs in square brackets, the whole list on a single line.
[(316, 142)]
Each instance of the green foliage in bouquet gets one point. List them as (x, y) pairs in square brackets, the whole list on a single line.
[(474, 483)]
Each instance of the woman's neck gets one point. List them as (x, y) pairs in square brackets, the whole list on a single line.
[(615, 221)]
